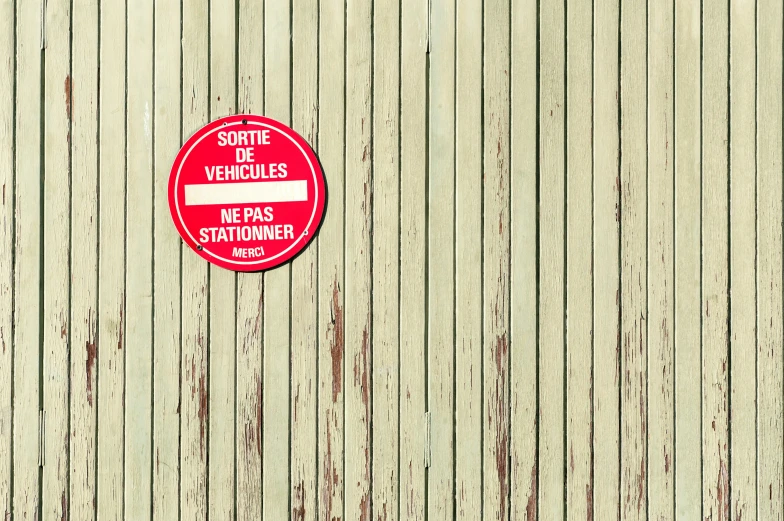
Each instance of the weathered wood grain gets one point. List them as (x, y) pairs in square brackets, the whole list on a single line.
[(166, 124), (413, 229), (770, 335), (495, 276), (304, 278), (440, 260), (276, 473), (27, 266), (567, 249), (358, 243), (552, 290), (743, 240), (7, 224), (688, 453), (606, 257), (332, 373), (83, 256), (579, 252), (468, 260), (195, 286), (715, 263), (634, 279), (250, 289), (386, 255), (523, 270), (56, 276), (112, 344), (223, 289), (139, 269), (661, 253)]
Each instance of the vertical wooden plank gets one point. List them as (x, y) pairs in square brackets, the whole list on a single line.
[(634, 346), (111, 261), (468, 261), (495, 312), (304, 278), (194, 301), (715, 262), (166, 371), (84, 259), (523, 274), (250, 288), (743, 240), (358, 215), (27, 253), (7, 72), (688, 472), (440, 261), (57, 189), (413, 158), (223, 287), (579, 242), (277, 285), (606, 256), (138, 275), (770, 394), (552, 172), (661, 302), (331, 270), (386, 254)]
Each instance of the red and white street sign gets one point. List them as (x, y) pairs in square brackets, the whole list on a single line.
[(246, 193)]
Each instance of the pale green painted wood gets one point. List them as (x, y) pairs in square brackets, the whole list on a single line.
[(276, 474), (112, 339), (606, 257), (167, 117), (661, 253), (770, 337), (468, 261), (634, 342), (495, 276), (84, 260), (7, 223), (358, 221), (221, 373), (440, 260), (304, 279), (332, 368), (688, 453), (56, 200), (552, 172), (523, 270), (413, 234), (743, 239), (27, 266), (579, 251), (250, 290), (385, 254), (195, 285), (715, 263), (463, 268), (138, 268)]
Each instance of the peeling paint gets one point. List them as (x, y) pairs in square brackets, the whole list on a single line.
[(298, 508), (202, 411), (92, 354), (337, 345)]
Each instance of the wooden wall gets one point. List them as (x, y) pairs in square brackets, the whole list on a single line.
[(549, 282)]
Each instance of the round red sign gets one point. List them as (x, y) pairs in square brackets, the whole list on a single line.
[(246, 193)]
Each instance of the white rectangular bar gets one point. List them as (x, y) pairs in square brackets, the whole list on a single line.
[(239, 193)]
